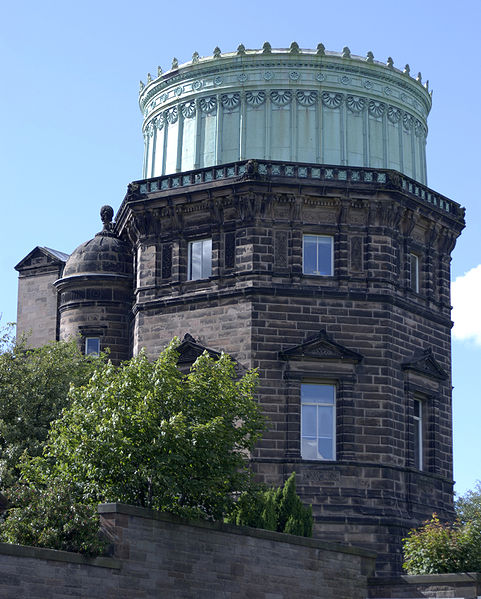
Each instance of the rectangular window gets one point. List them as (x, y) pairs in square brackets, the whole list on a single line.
[(200, 259), (317, 255), (318, 422), (418, 434), (92, 346), (414, 272)]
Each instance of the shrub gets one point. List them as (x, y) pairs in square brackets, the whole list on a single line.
[(438, 548), (52, 517), (275, 509)]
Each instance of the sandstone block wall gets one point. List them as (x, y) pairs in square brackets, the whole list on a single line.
[(157, 555)]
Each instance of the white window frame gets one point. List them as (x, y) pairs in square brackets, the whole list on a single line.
[(414, 262), (320, 404), (418, 430), (206, 269), (318, 273), (95, 352)]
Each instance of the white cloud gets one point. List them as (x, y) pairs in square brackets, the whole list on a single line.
[(466, 300)]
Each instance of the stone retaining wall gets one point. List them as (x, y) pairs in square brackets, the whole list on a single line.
[(158, 555)]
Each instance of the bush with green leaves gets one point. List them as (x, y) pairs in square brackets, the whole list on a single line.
[(52, 517), (437, 548), (34, 386), (148, 435), (278, 509)]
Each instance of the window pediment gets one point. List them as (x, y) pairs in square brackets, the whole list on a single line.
[(189, 350), (425, 364), (320, 347)]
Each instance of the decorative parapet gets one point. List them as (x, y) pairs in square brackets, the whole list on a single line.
[(305, 174), (285, 104)]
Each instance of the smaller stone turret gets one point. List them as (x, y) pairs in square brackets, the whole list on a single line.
[(95, 292)]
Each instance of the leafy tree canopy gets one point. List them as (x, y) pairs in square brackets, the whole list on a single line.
[(34, 385), (437, 548), (144, 434), (468, 506)]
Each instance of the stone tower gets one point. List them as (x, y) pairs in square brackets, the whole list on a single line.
[(284, 218)]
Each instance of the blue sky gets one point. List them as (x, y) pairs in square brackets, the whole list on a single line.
[(70, 127)]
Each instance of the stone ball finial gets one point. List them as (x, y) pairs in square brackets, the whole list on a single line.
[(321, 50), (370, 56), (106, 216), (346, 53)]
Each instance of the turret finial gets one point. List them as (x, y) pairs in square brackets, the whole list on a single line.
[(106, 216), (294, 49), (266, 48)]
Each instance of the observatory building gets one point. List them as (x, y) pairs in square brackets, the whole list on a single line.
[(284, 217)]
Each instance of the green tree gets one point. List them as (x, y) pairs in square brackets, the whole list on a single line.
[(278, 509), (145, 434), (437, 548), (34, 385), (468, 506)]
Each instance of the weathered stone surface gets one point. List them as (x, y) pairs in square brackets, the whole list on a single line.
[(258, 306), (158, 555)]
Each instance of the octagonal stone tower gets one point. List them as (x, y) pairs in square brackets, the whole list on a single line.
[(284, 218), (290, 104)]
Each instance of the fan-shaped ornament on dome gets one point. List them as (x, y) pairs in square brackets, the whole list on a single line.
[(306, 98), (281, 97), (255, 98), (356, 103), (376, 108), (208, 105), (188, 109), (393, 114), (230, 101), (331, 99)]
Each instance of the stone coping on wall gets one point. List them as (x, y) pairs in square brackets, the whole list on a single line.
[(59, 556), (424, 579), (139, 512)]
